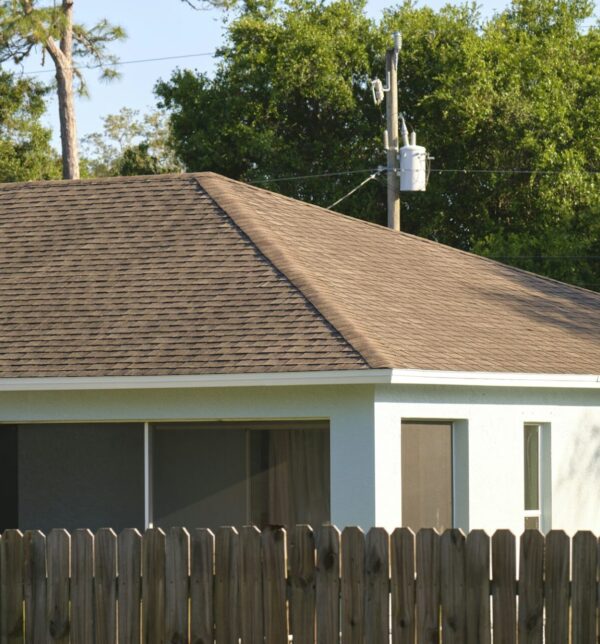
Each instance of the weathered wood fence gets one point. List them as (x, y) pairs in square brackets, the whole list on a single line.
[(179, 587)]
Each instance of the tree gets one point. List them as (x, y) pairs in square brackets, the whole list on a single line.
[(130, 144), (290, 97), (25, 150), (25, 25)]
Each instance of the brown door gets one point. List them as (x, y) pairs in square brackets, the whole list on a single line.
[(427, 475)]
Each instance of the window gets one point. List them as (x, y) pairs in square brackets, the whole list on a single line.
[(532, 465), (235, 473)]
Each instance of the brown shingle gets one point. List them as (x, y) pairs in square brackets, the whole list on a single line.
[(198, 274), (408, 303), (145, 276)]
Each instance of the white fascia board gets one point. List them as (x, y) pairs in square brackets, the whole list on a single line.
[(494, 379), (350, 377)]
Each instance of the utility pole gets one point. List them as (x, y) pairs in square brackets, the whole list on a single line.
[(393, 147)]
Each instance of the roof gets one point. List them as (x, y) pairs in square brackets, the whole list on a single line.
[(199, 274)]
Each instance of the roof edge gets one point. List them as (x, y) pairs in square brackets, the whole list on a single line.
[(495, 379), (235, 208), (305, 378)]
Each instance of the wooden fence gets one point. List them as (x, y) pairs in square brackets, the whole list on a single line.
[(179, 587)]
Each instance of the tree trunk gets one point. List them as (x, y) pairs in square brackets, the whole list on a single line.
[(63, 60)]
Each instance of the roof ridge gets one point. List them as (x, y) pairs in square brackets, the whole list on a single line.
[(384, 230), (236, 210)]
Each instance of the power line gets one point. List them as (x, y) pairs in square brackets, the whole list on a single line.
[(512, 171), (127, 62), (360, 185), (299, 177)]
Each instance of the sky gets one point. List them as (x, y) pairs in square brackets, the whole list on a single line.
[(156, 29)]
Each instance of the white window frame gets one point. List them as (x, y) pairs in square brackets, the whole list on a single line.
[(544, 477)]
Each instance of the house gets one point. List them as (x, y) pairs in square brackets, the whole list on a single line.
[(191, 350)]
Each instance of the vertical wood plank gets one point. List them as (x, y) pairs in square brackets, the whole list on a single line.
[(11, 587), (453, 587), (82, 587), (153, 586), (34, 579), (273, 542), (377, 619), (428, 586), (531, 588), (353, 584), (477, 553), (105, 596), (328, 585), (176, 589), (557, 587), (129, 544), (585, 564), (504, 587), (201, 586), (302, 585), (227, 585), (251, 585), (402, 556), (58, 546)]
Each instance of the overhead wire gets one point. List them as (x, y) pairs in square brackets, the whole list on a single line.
[(125, 62)]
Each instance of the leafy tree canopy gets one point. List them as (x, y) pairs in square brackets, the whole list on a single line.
[(25, 150), (520, 91), (130, 144)]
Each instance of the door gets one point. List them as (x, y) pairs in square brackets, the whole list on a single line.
[(427, 475)]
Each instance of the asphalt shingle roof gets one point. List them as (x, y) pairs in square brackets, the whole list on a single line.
[(198, 274)]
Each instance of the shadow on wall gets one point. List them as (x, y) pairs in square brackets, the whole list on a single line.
[(578, 480), (568, 308)]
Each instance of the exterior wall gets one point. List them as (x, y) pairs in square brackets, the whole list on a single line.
[(355, 473), (489, 471), (365, 436)]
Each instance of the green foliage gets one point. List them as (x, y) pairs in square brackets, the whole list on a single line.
[(129, 144), (25, 151), (27, 24), (520, 91)]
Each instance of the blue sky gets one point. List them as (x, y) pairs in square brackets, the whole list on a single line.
[(157, 28)]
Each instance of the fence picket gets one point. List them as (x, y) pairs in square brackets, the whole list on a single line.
[(34, 591), (226, 585), (11, 587), (274, 585), (585, 563), (328, 585), (302, 585), (105, 597), (176, 586), (153, 586), (82, 587), (428, 586), (129, 544), (201, 586), (453, 587), (58, 546), (402, 554), (377, 623), (504, 587), (557, 587), (531, 588), (352, 612), (477, 553), (251, 585)]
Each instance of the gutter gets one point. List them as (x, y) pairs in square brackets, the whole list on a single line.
[(307, 378)]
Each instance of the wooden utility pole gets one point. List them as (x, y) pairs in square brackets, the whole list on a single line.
[(391, 108)]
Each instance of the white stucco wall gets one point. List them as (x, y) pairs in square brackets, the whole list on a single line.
[(365, 425), (349, 408), (491, 459)]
